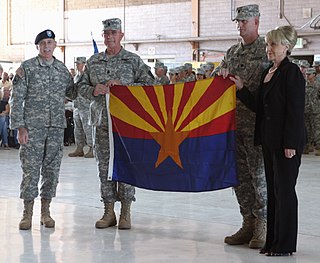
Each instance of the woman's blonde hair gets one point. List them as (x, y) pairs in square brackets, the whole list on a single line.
[(284, 35)]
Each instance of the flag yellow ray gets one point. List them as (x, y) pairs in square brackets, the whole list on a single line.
[(224, 104), (178, 90), (121, 111), (198, 91), (161, 99), (139, 93)]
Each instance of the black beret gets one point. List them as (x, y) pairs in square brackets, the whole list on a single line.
[(43, 35)]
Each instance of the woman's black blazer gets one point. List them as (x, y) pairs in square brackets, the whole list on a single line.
[(279, 108)]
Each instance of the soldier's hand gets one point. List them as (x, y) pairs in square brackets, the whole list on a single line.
[(23, 136), (113, 82), (238, 81), (224, 72), (100, 89)]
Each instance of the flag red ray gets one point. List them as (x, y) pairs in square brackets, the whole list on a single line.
[(187, 90), (154, 100), (169, 93), (216, 126), (124, 94), (214, 92)]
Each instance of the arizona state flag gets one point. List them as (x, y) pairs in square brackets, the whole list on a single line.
[(178, 137)]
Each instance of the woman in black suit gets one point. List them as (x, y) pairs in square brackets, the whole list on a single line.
[(279, 106)]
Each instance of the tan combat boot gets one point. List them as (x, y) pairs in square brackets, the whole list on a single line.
[(259, 234), (26, 221), (77, 153), (244, 234), (46, 219), (89, 154), (125, 220), (317, 152), (109, 217)]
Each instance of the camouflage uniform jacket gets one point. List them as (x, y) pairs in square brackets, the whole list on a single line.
[(163, 80), (125, 66), (248, 62), (313, 97), (38, 94), (80, 102)]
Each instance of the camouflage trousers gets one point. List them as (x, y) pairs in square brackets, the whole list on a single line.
[(111, 191), (317, 131), (41, 155), (82, 130), (252, 191), (310, 127)]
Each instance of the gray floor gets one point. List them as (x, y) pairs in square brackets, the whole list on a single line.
[(167, 227)]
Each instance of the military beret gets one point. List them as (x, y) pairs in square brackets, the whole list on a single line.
[(111, 24), (43, 35), (246, 12), (81, 60)]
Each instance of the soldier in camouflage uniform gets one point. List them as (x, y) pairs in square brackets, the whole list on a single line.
[(82, 128), (37, 111), (208, 69), (316, 65), (248, 59), (189, 73), (161, 78), (115, 66), (312, 112), (200, 74)]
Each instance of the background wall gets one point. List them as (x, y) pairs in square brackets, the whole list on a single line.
[(164, 30)]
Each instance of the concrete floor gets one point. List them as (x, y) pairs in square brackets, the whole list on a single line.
[(167, 227)]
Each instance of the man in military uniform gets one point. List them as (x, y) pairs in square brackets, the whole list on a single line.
[(114, 66), (37, 111), (82, 128), (312, 112), (161, 77), (304, 65), (190, 76), (316, 65), (248, 59)]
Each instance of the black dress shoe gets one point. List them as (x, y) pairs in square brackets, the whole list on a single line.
[(278, 254), (264, 251)]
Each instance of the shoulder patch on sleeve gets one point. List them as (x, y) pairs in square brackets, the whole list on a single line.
[(20, 72)]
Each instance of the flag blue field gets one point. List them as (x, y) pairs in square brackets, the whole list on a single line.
[(95, 47), (177, 137)]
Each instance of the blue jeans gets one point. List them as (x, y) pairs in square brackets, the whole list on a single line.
[(4, 130)]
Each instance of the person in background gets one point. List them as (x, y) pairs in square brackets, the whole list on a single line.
[(114, 66), (208, 69), (82, 127), (304, 65), (4, 113), (190, 76), (37, 111), (248, 59), (72, 72), (161, 78), (316, 65), (200, 74), (279, 105), (173, 75), (312, 112)]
